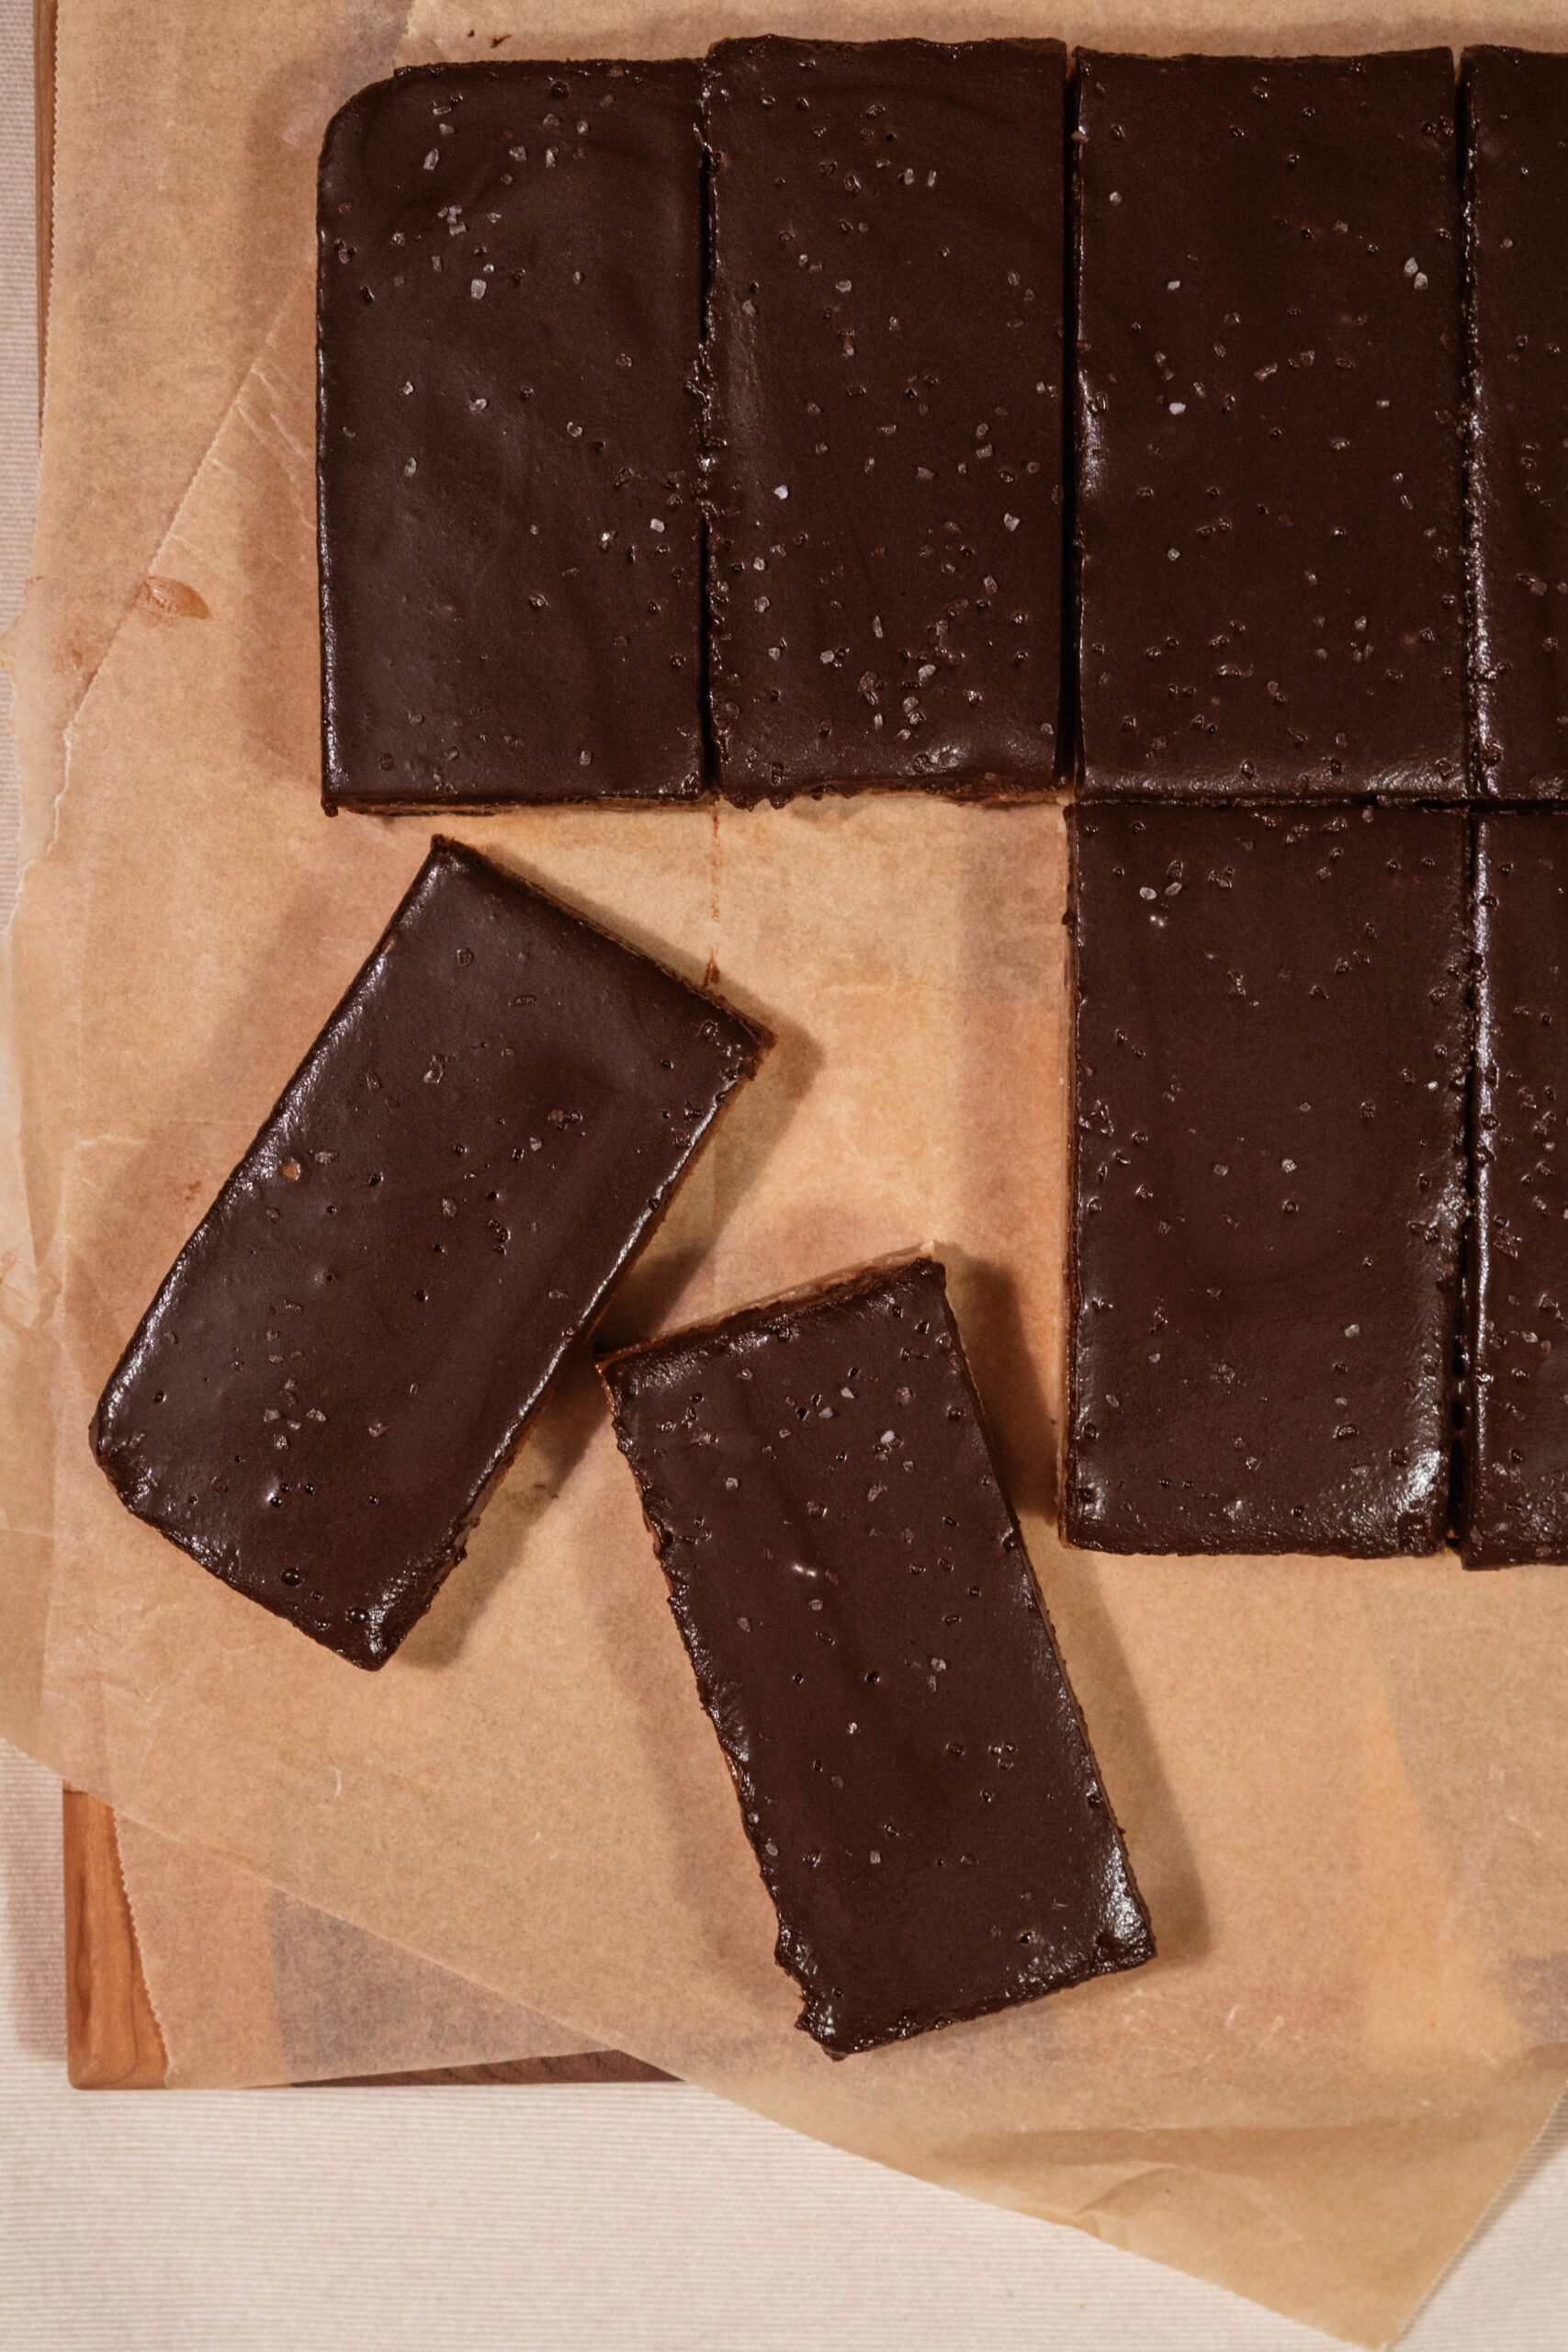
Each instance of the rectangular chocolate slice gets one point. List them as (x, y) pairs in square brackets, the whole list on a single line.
[(1516, 110), (1515, 1498), (348, 1350), (884, 414), (856, 1599), (509, 304), (1272, 1053), (1270, 496)]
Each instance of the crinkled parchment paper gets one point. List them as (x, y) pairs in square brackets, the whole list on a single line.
[(251, 1986), (1340, 1783), (145, 199)]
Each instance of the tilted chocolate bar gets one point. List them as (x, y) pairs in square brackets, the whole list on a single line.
[(883, 404), (1269, 488), (509, 305), (1271, 1054), (1517, 241), (1516, 1498), (851, 1589), (348, 1349)]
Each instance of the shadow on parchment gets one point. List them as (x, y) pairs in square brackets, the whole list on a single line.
[(747, 1132), (1011, 1385), (1123, 1738), (1012, 1394)]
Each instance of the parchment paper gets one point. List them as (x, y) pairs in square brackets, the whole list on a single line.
[(143, 198), (1340, 1781), (249, 1986)]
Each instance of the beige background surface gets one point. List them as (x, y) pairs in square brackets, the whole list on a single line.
[(587, 2218), (596, 2229)]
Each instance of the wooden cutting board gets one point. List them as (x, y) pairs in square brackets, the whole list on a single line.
[(112, 2037)]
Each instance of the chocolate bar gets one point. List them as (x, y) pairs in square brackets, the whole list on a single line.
[(509, 300), (854, 1596), (1516, 1498), (884, 414), (1272, 1053), (345, 1355), (1515, 228), (1270, 495)]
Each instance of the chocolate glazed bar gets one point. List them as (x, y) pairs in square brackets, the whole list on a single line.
[(1271, 1050), (347, 1352), (509, 301), (1515, 1502), (1269, 510), (1516, 107), (883, 413), (854, 1593)]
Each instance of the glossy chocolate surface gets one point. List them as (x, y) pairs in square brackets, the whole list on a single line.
[(1516, 1504), (883, 404), (1516, 114), (1269, 498), (508, 307), (346, 1352), (854, 1593), (1271, 1050)]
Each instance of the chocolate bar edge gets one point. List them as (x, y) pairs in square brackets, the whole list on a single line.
[(1482, 1553), (978, 791), (1543, 786)]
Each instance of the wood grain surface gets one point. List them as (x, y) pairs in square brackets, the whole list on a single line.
[(111, 2035), (113, 2041)]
